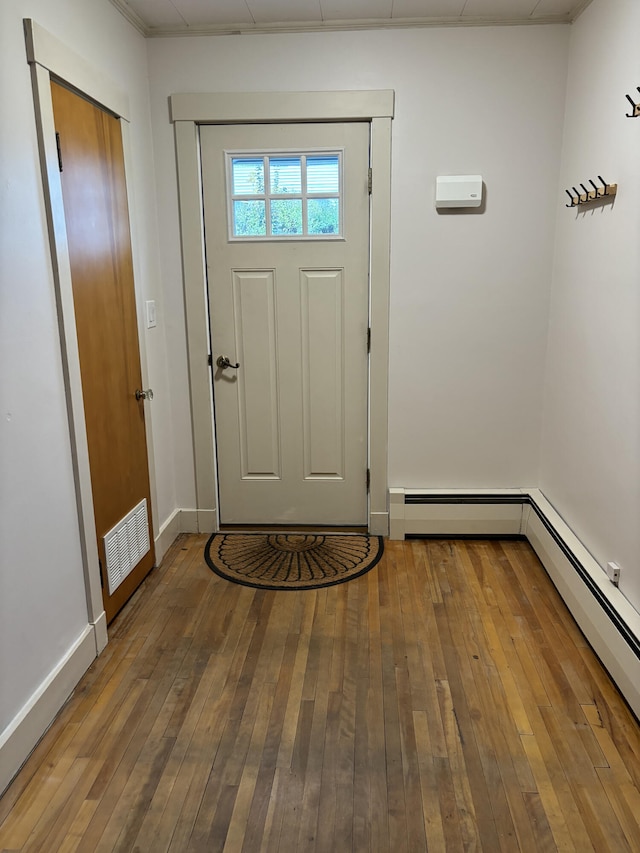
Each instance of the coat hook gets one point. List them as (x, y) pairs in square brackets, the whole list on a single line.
[(585, 195), (636, 107), (609, 189)]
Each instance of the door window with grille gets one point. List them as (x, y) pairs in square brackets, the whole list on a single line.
[(275, 196)]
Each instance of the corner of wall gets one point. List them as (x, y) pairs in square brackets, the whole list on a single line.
[(607, 619)]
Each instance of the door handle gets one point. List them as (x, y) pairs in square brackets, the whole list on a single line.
[(223, 362), (144, 395)]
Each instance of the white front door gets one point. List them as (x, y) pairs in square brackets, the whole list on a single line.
[(286, 210)]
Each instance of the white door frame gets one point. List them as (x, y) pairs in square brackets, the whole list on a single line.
[(187, 112), (49, 58)]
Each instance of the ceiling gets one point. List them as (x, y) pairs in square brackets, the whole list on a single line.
[(206, 17)]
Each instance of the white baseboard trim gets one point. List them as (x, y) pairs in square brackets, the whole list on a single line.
[(167, 534), (207, 521), (189, 521), (198, 520), (100, 630), (379, 523), (23, 733), (607, 619), (184, 521)]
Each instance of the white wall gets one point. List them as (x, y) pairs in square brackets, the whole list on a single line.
[(469, 293), (42, 598), (590, 463)]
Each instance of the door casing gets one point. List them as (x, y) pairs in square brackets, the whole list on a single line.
[(188, 111), (48, 57)]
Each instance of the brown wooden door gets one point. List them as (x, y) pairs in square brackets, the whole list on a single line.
[(98, 233)]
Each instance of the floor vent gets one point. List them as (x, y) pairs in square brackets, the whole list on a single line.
[(126, 544)]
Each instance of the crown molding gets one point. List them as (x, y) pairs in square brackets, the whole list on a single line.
[(131, 16), (170, 31), (580, 9)]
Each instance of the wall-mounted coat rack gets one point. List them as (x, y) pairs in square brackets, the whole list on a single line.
[(594, 194), (635, 113)]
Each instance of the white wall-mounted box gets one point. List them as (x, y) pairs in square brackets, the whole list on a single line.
[(458, 190)]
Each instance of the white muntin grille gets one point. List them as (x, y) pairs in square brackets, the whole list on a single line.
[(126, 544)]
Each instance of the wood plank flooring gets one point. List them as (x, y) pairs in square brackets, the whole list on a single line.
[(446, 701)]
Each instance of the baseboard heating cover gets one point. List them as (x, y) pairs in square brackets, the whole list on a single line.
[(608, 620), (126, 544), (456, 512)]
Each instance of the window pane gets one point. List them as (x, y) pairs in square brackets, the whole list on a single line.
[(286, 216), (249, 219), (248, 177), (323, 175), (323, 215), (286, 175)]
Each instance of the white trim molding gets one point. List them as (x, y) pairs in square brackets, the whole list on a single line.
[(338, 25), (167, 535), (183, 521), (47, 57), (198, 521), (607, 619), (50, 58), (274, 107), (605, 616), (25, 730), (47, 51), (188, 111)]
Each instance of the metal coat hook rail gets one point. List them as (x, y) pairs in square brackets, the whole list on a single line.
[(636, 107), (577, 197)]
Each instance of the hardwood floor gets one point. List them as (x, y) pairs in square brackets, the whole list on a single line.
[(445, 701)]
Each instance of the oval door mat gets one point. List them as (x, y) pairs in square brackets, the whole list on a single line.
[(292, 560)]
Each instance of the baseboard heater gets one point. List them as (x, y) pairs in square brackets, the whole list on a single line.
[(126, 544), (456, 513), (605, 616)]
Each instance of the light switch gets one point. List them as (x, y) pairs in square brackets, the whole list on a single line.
[(151, 313)]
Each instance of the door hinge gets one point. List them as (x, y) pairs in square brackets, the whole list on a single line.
[(369, 339), (210, 360), (370, 180), (101, 575), (59, 150), (368, 479)]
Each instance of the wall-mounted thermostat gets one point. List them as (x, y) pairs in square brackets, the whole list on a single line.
[(458, 190)]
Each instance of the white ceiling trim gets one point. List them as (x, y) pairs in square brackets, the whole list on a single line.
[(132, 17), (337, 25)]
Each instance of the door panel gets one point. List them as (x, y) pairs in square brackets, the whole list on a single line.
[(323, 379), (291, 421), (255, 330), (98, 235)]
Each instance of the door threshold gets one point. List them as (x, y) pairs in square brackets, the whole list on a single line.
[(292, 528)]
